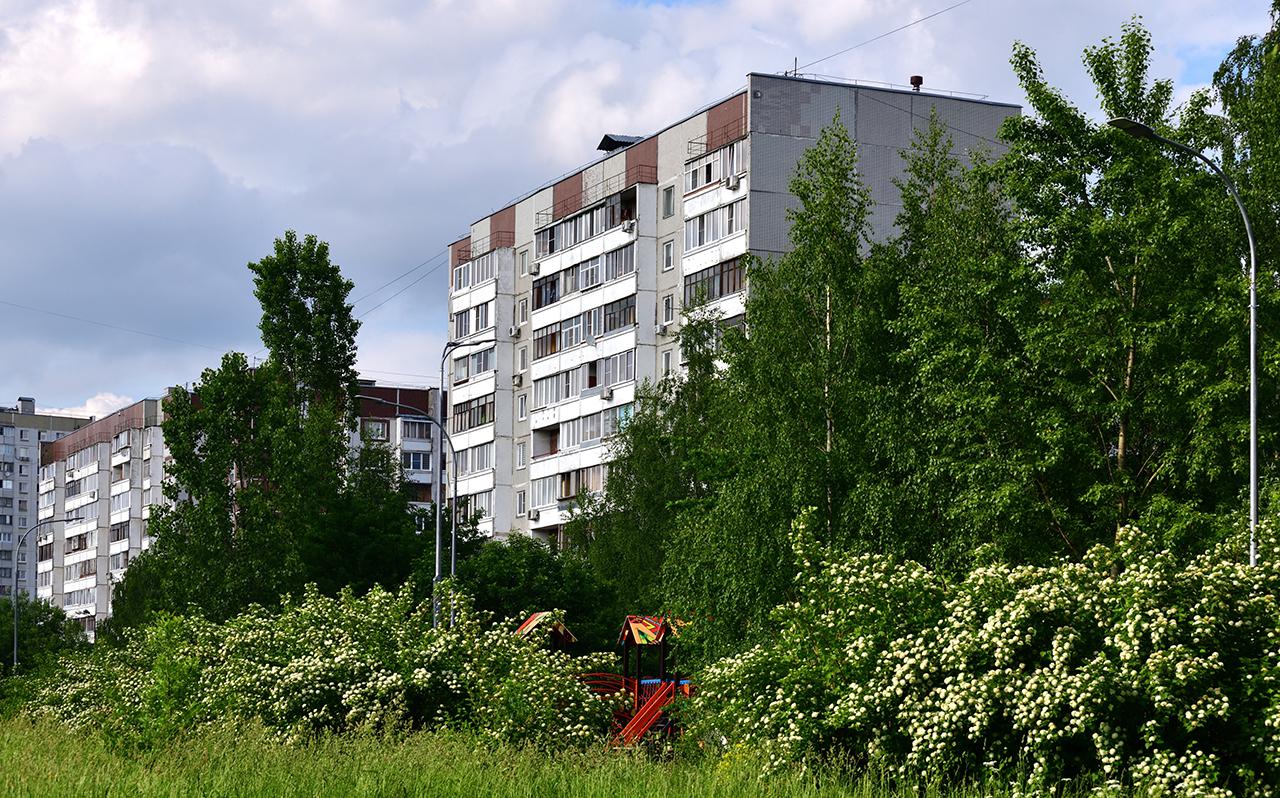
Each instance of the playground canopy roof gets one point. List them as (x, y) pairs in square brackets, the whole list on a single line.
[(542, 619), (647, 630)]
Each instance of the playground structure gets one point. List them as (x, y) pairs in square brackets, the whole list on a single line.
[(646, 643)]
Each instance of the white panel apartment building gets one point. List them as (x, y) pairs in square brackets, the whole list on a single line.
[(22, 430), (107, 475), (104, 479), (580, 283)]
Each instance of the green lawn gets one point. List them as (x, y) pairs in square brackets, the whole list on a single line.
[(44, 759)]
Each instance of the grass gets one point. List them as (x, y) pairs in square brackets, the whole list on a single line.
[(41, 758)]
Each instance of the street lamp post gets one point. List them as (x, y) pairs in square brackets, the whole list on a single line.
[(453, 531), (437, 472), (1141, 131), (13, 597)]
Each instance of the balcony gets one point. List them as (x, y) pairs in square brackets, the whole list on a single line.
[(713, 140), (594, 193), (484, 246)]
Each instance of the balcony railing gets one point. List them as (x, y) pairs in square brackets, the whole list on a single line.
[(484, 246), (639, 173), (713, 140)]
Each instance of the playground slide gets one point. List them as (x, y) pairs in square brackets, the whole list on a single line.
[(648, 715)]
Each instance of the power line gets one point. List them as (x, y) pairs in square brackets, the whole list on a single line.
[(883, 35), (398, 279), (107, 325), (871, 96), (421, 277)]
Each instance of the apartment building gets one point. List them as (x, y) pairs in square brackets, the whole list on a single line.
[(397, 417), (105, 476), (22, 431), (102, 479), (563, 302)]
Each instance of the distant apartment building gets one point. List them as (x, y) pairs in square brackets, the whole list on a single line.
[(22, 431), (397, 417), (102, 479), (576, 288), (105, 477)]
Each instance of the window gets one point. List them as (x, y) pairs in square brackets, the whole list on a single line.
[(544, 491), (589, 273), (668, 255), (619, 314), (522, 455), (80, 570), (557, 387), (119, 531), (483, 361), (619, 368), (666, 363), (521, 504), (524, 358), (377, 429), (710, 284), (483, 316), (668, 308), (713, 225), (415, 461), (479, 504), (118, 561), (620, 262), (524, 262), (522, 406), (668, 202), (702, 171), (612, 419), (416, 430), (546, 341), (472, 414), (572, 231), (462, 324), (120, 501), (83, 596), (523, 311)]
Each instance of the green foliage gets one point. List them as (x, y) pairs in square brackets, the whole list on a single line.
[(1130, 664), (521, 575), (44, 633), (264, 494), (664, 462), (327, 664)]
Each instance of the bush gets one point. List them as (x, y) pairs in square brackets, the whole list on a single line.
[(328, 664), (1130, 667)]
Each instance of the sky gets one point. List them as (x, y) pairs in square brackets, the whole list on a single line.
[(150, 150)]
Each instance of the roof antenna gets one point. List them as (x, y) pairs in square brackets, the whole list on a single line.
[(795, 67)]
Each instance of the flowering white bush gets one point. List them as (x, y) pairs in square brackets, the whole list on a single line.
[(321, 664), (1129, 667)]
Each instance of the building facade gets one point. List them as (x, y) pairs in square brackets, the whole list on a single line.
[(22, 431), (563, 302), (103, 479), (397, 417), (105, 476)]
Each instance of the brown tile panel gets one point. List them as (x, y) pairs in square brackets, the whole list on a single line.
[(459, 249), (504, 221), (643, 153), (566, 196), (419, 398), (727, 122), (135, 416)]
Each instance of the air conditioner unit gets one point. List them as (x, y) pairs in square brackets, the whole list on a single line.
[(606, 394), (629, 226), (516, 379), (513, 331), (533, 270), (533, 515), (731, 182), (660, 328)]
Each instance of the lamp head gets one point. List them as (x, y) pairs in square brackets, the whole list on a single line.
[(1135, 129)]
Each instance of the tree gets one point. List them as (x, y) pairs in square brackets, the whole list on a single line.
[(264, 496), (794, 411), (1140, 334), (521, 575), (664, 461), (44, 633)]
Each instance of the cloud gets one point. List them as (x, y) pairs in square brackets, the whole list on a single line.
[(149, 150), (96, 406)]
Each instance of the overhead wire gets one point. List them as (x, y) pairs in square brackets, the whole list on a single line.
[(883, 35)]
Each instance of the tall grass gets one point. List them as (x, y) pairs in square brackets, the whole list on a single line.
[(41, 758)]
